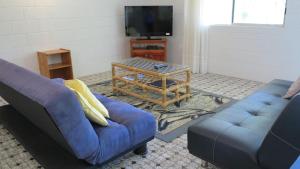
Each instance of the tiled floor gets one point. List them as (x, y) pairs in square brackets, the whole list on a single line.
[(161, 155)]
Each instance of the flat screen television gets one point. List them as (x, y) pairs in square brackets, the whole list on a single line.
[(147, 21)]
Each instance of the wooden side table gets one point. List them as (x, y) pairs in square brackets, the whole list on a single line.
[(57, 70)]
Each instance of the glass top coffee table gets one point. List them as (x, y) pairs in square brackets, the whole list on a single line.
[(157, 82)]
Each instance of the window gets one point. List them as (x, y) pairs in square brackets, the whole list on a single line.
[(244, 11), (217, 12), (259, 11)]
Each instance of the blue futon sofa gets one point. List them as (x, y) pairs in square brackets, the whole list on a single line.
[(55, 110)]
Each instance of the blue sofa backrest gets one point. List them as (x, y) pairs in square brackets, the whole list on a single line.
[(281, 146), (50, 106)]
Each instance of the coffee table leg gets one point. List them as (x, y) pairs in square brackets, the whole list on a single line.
[(188, 80), (164, 91)]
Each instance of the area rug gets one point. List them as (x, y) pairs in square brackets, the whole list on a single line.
[(173, 121)]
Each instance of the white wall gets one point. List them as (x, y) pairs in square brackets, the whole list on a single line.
[(257, 52), (92, 29)]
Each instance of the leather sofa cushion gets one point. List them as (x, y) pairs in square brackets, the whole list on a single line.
[(276, 87), (233, 136)]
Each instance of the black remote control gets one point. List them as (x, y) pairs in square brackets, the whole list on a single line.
[(159, 66)]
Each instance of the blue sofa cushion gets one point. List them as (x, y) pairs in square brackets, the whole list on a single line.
[(113, 139), (61, 104), (128, 126), (141, 125)]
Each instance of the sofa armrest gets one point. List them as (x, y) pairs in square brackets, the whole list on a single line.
[(284, 138)]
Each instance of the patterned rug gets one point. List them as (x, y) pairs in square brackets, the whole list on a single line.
[(173, 121)]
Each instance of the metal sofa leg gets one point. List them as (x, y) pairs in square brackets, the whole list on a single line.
[(204, 164), (142, 150)]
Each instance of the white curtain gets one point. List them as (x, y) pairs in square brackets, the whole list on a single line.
[(195, 49)]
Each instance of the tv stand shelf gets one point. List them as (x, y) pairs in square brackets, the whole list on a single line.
[(155, 49)]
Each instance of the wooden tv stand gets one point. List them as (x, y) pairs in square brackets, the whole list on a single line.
[(155, 49)]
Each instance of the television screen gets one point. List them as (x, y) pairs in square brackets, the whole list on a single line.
[(149, 21)]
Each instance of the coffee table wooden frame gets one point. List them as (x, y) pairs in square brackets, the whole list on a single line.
[(164, 101)]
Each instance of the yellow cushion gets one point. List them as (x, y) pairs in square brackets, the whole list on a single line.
[(81, 88), (89, 110)]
